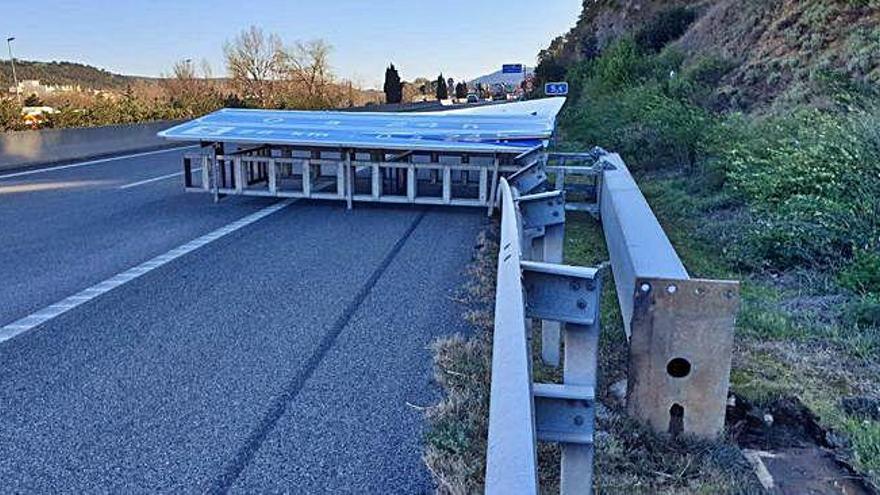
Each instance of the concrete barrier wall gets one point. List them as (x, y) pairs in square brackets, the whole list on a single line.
[(25, 148)]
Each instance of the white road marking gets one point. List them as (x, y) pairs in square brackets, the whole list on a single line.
[(155, 179), (31, 321), (92, 162), (755, 458)]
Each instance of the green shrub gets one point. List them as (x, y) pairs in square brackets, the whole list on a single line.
[(698, 82), (802, 230), (862, 276), (808, 153), (649, 128), (10, 116), (809, 179), (621, 66), (864, 311)]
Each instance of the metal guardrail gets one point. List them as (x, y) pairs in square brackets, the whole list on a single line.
[(532, 285), (680, 329)]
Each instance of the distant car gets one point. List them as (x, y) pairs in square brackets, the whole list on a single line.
[(472, 98)]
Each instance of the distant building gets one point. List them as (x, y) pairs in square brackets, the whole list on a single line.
[(35, 87)]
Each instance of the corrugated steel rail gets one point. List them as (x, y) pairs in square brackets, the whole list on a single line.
[(680, 329), (533, 285)]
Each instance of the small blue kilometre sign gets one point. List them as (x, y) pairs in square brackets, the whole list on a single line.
[(556, 89), (512, 69)]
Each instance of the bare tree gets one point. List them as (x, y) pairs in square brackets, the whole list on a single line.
[(254, 61), (190, 94), (310, 81)]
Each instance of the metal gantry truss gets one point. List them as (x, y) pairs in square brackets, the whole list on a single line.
[(352, 175)]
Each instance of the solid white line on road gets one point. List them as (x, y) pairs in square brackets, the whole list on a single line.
[(155, 179), (92, 162), (42, 316)]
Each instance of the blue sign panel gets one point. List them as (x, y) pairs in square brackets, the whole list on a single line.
[(505, 129), (512, 69), (556, 89)]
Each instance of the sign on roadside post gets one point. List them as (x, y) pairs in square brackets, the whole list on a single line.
[(512, 69), (556, 89)]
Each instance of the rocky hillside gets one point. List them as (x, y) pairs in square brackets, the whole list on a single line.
[(778, 51)]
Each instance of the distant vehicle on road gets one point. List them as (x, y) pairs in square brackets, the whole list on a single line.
[(473, 98)]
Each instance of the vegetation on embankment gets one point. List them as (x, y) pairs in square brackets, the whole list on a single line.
[(762, 163), (786, 199)]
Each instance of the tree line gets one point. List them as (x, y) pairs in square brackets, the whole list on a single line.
[(262, 71), (441, 88)]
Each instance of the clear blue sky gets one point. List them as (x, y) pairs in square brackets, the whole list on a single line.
[(463, 39)]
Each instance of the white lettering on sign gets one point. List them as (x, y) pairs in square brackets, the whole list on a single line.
[(209, 130)]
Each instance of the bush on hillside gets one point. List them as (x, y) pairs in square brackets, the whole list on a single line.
[(627, 106), (809, 179), (862, 276)]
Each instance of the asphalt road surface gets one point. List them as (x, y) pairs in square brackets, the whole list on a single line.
[(152, 341)]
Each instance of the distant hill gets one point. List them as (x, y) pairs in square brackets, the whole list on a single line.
[(64, 73), (500, 78)]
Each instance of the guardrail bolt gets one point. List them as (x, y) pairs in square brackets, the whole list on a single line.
[(579, 420), (575, 286), (581, 304)]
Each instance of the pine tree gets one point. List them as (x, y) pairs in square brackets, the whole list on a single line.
[(393, 87), (442, 90)]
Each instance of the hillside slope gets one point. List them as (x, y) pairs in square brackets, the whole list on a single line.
[(752, 129), (780, 50)]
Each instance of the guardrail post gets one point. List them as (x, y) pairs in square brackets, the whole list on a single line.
[(340, 176), (544, 218), (680, 330), (571, 295), (581, 355), (447, 184), (493, 187), (552, 245)]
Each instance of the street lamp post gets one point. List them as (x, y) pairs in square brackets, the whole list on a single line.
[(12, 59)]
